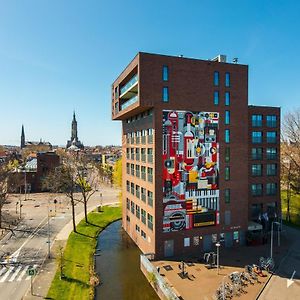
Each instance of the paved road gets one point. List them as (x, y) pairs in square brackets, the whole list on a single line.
[(278, 288), (29, 247)]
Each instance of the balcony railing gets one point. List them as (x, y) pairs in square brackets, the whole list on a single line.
[(129, 102), (129, 84)]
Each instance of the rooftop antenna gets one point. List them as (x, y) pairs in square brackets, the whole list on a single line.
[(235, 60)]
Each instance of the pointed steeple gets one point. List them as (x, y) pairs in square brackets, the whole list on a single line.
[(22, 137), (74, 117)]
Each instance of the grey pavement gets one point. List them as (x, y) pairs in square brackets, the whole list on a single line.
[(29, 247), (285, 283)]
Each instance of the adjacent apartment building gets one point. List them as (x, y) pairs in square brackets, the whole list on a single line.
[(198, 163)]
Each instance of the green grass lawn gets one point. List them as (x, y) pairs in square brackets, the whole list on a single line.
[(78, 257), (294, 207)]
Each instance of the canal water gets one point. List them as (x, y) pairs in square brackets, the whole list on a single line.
[(118, 266)]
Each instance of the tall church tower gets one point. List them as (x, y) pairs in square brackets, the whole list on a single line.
[(22, 138), (74, 142), (74, 129)]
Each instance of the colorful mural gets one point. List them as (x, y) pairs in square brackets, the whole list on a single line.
[(191, 170)]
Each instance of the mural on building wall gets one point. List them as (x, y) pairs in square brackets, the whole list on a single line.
[(191, 170)]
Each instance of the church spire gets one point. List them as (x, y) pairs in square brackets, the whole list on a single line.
[(22, 137)]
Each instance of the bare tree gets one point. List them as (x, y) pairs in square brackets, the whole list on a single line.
[(9, 180), (290, 155), (63, 180), (87, 183)]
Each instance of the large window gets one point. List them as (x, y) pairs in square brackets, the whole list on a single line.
[(143, 216), (227, 195), (271, 153), (227, 117), (256, 189), (256, 137), (150, 198), (165, 73), (216, 78), (227, 173), (227, 154), (216, 97), (271, 137), (256, 170), (165, 96), (227, 79), (227, 136), (257, 120), (227, 98), (150, 221), (132, 207), (137, 211), (271, 169), (257, 153), (272, 121), (271, 189)]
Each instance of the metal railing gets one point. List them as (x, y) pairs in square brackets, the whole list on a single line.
[(129, 102), (129, 84)]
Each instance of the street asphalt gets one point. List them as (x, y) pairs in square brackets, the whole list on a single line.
[(28, 247)]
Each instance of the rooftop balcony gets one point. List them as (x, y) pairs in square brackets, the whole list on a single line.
[(130, 88)]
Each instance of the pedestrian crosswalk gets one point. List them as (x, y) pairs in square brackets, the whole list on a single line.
[(14, 273)]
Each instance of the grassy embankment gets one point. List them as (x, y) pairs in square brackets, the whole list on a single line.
[(294, 207), (78, 257)]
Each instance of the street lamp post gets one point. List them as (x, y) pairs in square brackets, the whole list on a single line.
[(277, 223), (218, 261)]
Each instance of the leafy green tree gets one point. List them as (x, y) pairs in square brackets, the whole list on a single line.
[(117, 173)]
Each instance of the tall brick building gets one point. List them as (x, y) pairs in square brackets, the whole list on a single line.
[(189, 171)]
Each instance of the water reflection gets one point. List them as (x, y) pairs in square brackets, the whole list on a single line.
[(119, 268)]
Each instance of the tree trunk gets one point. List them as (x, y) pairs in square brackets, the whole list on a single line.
[(85, 209), (73, 215)]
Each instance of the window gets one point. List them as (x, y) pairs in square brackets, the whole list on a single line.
[(227, 79), (137, 228), (128, 168), (186, 242), (227, 117), (150, 198), (127, 152), (227, 217), (227, 136), (137, 211), (257, 120), (257, 153), (143, 192), (216, 97), (271, 137), (150, 174), (143, 234), (127, 186), (150, 155), (227, 98), (150, 221), (256, 170), (165, 94), (271, 153), (132, 169), (132, 153), (132, 207), (132, 188), (137, 171), (216, 78), (271, 121), (137, 191), (143, 172), (127, 203), (227, 154), (227, 195), (256, 189), (256, 137), (227, 173), (165, 73), (144, 216), (271, 169), (271, 188), (143, 154)]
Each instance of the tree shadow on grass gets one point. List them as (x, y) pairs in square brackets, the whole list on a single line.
[(86, 235), (77, 281)]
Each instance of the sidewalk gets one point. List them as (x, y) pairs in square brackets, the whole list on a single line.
[(43, 279)]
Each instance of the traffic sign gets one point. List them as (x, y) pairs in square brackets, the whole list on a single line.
[(31, 272)]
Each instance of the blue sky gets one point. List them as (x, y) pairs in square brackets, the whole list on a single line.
[(57, 56)]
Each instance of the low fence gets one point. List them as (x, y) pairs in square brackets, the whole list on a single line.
[(161, 287)]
